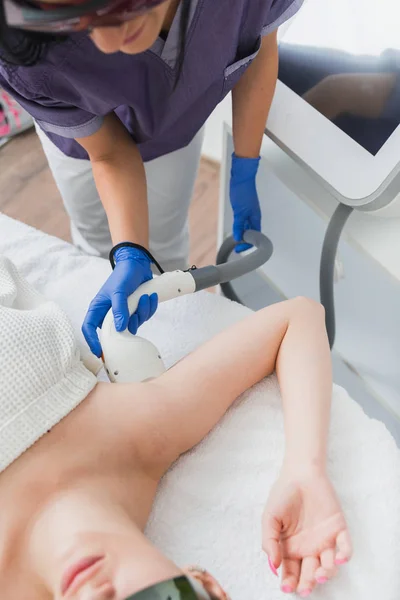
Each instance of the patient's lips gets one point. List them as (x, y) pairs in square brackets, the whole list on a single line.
[(80, 571)]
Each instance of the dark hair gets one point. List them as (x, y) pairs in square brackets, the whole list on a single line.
[(26, 48), (22, 47)]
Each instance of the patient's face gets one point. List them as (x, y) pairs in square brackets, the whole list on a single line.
[(88, 548), (85, 549)]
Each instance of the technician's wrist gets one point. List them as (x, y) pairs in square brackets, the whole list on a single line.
[(244, 168), (126, 251)]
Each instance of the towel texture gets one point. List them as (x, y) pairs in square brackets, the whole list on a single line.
[(209, 505), (41, 375)]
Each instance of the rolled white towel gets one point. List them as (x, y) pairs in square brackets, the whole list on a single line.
[(42, 377)]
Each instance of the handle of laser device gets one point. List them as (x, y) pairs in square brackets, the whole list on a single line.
[(167, 286), (179, 283)]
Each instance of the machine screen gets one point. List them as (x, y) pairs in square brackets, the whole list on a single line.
[(343, 58)]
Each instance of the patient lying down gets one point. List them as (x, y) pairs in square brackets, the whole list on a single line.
[(80, 461)]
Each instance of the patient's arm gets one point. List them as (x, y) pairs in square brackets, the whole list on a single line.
[(289, 337), (304, 529)]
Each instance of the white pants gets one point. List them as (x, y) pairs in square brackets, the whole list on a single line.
[(170, 183)]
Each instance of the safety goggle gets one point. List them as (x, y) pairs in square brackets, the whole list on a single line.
[(180, 588), (78, 15)]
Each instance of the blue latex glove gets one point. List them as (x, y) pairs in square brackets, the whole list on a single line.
[(244, 198), (132, 268)]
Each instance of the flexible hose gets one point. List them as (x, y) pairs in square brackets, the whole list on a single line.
[(222, 257), (225, 271), (327, 267)]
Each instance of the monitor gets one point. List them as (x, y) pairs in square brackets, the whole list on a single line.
[(337, 104)]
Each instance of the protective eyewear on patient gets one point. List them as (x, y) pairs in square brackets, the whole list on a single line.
[(180, 588), (77, 15)]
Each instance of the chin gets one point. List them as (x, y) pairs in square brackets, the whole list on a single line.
[(138, 46), (107, 50)]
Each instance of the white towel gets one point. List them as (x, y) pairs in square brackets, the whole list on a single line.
[(209, 506), (42, 377)]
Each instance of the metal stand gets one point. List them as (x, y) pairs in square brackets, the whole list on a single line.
[(327, 267)]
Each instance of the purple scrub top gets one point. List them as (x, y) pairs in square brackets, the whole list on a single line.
[(72, 89)]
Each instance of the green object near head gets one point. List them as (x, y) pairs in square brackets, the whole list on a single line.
[(179, 588)]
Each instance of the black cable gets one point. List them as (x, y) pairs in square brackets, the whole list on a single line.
[(137, 247), (327, 267)]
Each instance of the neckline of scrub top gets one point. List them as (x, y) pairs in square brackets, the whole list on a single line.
[(168, 49)]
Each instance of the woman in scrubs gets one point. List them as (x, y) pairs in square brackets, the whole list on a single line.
[(120, 91)]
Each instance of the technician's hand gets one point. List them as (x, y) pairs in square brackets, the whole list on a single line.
[(244, 198), (305, 531), (132, 268)]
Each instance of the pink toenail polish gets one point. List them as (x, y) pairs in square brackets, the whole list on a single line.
[(305, 593), (322, 580), (287, 589), (272, 567), (340, 561)]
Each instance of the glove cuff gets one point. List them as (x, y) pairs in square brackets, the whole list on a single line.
[(135, 251), (244, 168)]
